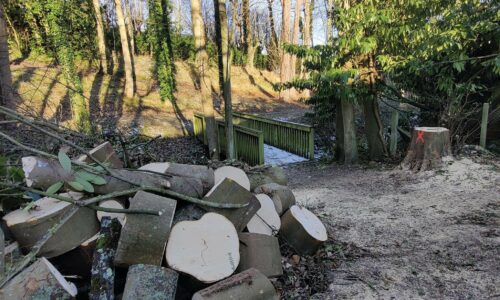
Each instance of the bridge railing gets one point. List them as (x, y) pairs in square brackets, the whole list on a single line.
[(292, 137)]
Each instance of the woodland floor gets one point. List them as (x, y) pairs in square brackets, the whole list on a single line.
[(400, 235)]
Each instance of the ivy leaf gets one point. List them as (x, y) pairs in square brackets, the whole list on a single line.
[(55, 187), (65, 161), (85, 184), (92, 178), (98, 180), (76, 186)]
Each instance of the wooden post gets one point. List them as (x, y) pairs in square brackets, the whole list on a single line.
[(394, 132), (484, 125)]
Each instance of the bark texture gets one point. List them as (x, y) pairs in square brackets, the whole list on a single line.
[(143, 237), (427, 148), (295, 36), (346, 145), (6, 92), (102, 283), (285, 69), (268, 175), (282, 196), (127, 56), (261, 252), (150, 282), (101, 42)]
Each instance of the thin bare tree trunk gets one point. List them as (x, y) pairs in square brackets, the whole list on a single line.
[(202, 68), (273, 51), (127, 56), (6, 93), (285, 68), (103, 60), (295, 35), (224, 71), (130, 28), (308, 22)]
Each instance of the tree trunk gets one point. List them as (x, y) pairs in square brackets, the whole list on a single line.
[(150, 282), (282, 196), (427, 148), (127, 56), (347, 149), (130, 30), (102, 283), (273, 50), (6, 93), (41, 280), (295, 36), (101, 42), (205, 84), (302, 230), (248, 35), (285, 69), (143, 238), (224, 72), (329, 21)]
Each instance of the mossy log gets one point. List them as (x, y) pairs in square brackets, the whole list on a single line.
[(260, 251), (281, 195), (236, 174), (229, 191), (143, 237), (302, 230), (41, 173), (28, 227), (203, 173), (150, 282), (41, 280), (427, 148), (103, 153), (102, 283), (247, 285), (267, 175), (207, 249), (266, 220)]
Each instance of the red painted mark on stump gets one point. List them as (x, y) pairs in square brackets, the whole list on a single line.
[(420, 136)]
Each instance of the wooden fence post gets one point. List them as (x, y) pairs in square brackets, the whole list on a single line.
[(484, 125), (394, 133)]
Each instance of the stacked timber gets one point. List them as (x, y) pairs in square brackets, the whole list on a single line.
[(187, 249)]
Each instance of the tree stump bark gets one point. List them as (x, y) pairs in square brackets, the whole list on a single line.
[(41, 280), (28, 227), (302, 230), (207, 249), (229, 191), (143, 237), (102, 283), (261, 252), (427, 148), (282, 196), (247, 285), (150, 282)]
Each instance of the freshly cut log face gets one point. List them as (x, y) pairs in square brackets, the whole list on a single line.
[(260, 251), (229, 191), (112, 204), (247, 285), (150, 282), (281, 195), (427, 148), (302, 230), (266, 220), (207, 249), (143, 238), (203, 173), (105, 154), (41, 280), (233, 173), (30, 226)]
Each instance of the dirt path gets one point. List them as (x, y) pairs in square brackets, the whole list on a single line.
[(412, 236)]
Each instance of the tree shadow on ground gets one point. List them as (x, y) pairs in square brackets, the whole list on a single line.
[(112, 108), (186, 125), (63, 111), (46, 99), (94, 99), (253, 82)]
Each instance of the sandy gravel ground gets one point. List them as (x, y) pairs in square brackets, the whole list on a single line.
[(431, 235)]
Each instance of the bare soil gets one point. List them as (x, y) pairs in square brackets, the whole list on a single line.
[(401, 235)]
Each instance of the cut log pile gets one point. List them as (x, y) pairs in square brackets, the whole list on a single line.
[(198, 250)]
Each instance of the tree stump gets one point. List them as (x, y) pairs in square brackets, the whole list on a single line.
[(28, 227), (427, 148), (143, 237), (237, 175), (247, 285), (207, 249), (150, 282), (282, 196), (41, 280), (261, 252), (102, 283), (302, 230), (266, 219), (229, 191)]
